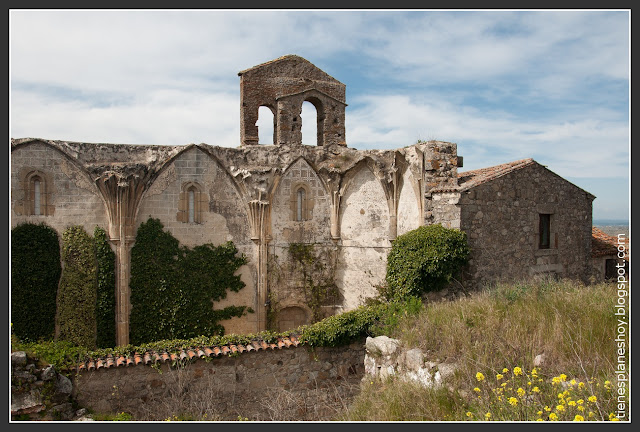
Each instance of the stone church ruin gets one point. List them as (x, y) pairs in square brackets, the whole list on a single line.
[(340, 206)]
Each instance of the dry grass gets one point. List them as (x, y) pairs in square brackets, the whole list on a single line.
[(504, 326)]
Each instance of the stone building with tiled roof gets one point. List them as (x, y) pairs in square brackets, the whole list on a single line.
[(521, 219), (609, 255), (347, 205)]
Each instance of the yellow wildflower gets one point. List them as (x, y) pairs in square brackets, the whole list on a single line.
[(573, 382), (521, 392), (592, 398), (580, 408), (499, 377), (572, 403), (539, 413), (591, 414), (513, 401), (476, 389), (479, 376), (505, 370), (581, 385), (534, 373), (615, 419), (580, 401), (553, 417), (563, 377), (560, 408), (578, 417), (539, 419), (607, 384), (517, 371), (487, 416), (546, 408), (469, 414), (535, 389), (611, 416)]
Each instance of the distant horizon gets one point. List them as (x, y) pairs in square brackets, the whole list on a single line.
[(610, 222)]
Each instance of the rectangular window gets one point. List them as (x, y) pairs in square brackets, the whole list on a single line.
[(545, 231)]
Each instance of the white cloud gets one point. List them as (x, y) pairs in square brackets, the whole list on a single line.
[(571, 148)]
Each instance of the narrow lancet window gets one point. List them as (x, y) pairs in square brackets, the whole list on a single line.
[(192, 208), (36, 197), (300, 204)]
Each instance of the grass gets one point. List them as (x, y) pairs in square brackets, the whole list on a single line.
[(495, 335)]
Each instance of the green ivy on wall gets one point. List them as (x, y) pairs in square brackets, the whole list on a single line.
[(318, 277), (173, 287), (106, 290), (76, 315), (35, 273)]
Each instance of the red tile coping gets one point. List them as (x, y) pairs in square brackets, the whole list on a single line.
[(152, 358)]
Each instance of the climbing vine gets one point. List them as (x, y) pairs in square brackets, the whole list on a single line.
[(76, 315), (106, 287), (173, 286), (35, 273), (317, 277)]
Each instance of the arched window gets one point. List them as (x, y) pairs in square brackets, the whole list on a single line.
[(301, 197), (309, 118), (36, 202), (192, 210), (36, 196), (266, 125), (300, 202), (193, 203)]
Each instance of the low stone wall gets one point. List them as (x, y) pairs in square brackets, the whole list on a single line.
[(38, 392), (233, 386)]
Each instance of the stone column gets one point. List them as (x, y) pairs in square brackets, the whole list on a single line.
[(335, 215), (122, 191), (393, 206), (259, 222)]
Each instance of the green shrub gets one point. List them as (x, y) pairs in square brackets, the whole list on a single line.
[(173, 287), (106, 294), (77, 295), (424, 260), (63, 355), (35, 273)]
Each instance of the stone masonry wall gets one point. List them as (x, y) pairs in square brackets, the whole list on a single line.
[(71, 197), (501, 218), (237, 385)]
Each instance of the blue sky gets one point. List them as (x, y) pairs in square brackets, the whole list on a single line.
[(503, 84)]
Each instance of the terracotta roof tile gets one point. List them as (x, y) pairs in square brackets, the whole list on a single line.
[(150, 357), (603, 244), (469, 179)]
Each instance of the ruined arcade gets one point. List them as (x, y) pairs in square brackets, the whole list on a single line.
[(345, 206)]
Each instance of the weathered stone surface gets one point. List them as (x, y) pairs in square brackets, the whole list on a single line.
[(385, 357), (382, 346), (18, 358), (32, 397), (26, 403), (48, 373)]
